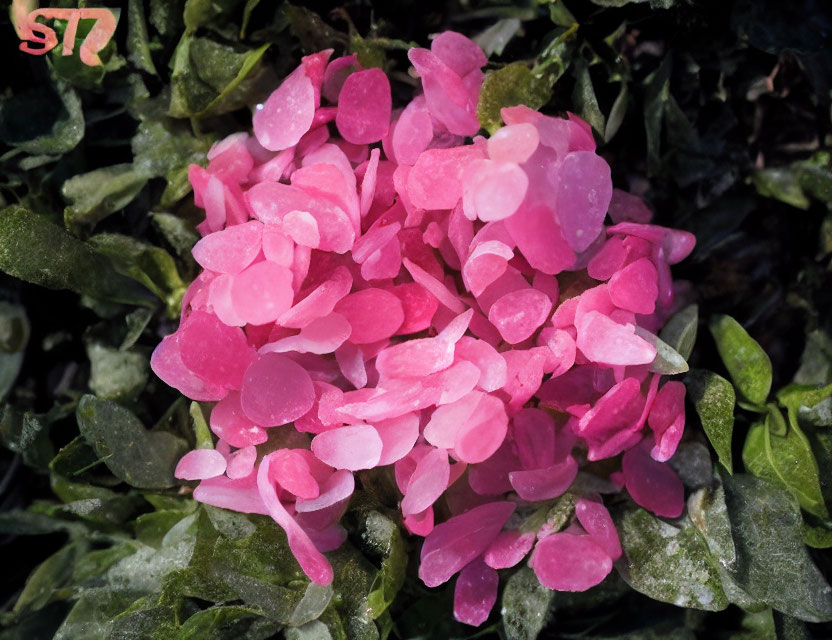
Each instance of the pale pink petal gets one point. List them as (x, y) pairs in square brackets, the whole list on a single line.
[(276, 390), (439, 290), (517, 315), (595, 518), (374, 314), (219, 297), (493, 190), (485, 264), (563, 349), (291, 472), (320, 302), (426, 484), (262, 292), (320, 336), (491, 364), (241, 462), (475, 593), (483, 432), (230, 250), (302, 228), (434, 182), (653, 485), (277, 246), (166, 362), (567, 562), (454, 543), (513, 143), (605, 341), (352, 447), (446, 421), (544, 484), (508, 549), (398, 435), (413, 132), (287, 114), (339, 486), (368, 184), (240, 494), (200, 464)]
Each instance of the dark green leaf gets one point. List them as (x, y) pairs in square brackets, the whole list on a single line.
[(35, 250), (748, 365), (583, 96), (680, 331), (178, 232), (227, 623), (512, 85), (28, 435), (797, 397), (494, 39), (50, 575), (818, 537), (14, 335), (714, 399), (201, 13), (138, 46), (144, 459), (525, 605), (95, 195), (91, 618)]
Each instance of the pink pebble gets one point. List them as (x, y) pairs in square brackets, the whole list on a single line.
[(635, 287), (374, 314), (595, 518), (364, 106), (200, 464), (230, 250), (517, 315), (567, 562), (281, 122), (352, 447), (262, 292), (475, 592), (653, 485), (276, 390)]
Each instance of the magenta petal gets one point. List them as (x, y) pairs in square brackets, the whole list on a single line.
[(241, 462), (229, 423), (276, 390), (534, 436), (352, 447), (166, 363), (239, 495), (653, 485), (509, 548), (635, 287), (483, 432), (200, 464), (454, 543), (584, 192), (217, 353), (428, 481), (486, 358), (262, 292), (364, 107), (319, 302), (281, 122), (374, 314), (544, 484), (566, 562), (310, 559), (595, 518), (475, 593), (517, 315)]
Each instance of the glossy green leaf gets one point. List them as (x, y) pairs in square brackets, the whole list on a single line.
[(144, 459), (748, 365), (714, 399), (512, 85), (680, 331)]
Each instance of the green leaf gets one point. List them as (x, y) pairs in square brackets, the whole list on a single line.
[(14, 336), (818, 537), (680, 331), (525, 605), (780, 183), (137, 321), (315, 599), (495, 38), (181, 235), (144, 459), (799, 399), (95, 195), (668, 361), (27, 434), (202, 13), (138, 45), (49, 576), (114, 373), (512, 85), (35, 250), (816, 359), (203, 436), (583, 96), (772, 563), (714, 400), (668, 563), (92, 616), (748, 365), (227, 623)]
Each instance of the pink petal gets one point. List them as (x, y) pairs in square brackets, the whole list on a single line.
[(415, 358), (339, 486), (428, 481), (615, 411), (413, 132), (229, 423), (353, 447), (544, 484), (310, 559), (320, 336), (475, 593), (302, 228), (398, 435), (200, 464), (540, 239), (595, 518), (563, 349), (230, 250), (446, 421), (166, 362), (276, 390), (493, 190), (605, 341), (368, 185), (277, 246), (461, 54), (217, 353), (491, 364), (364, 107), (485, 264), (420, 524), (281, 122), (350, 360), (517, 315), (336, 73), (490, 478), (483, 432), (291, 472), (241, 463), (513, 143), (635, 287), (240, 495), (454, 543), (436, 288), (418, 306), (608, 260), (653, 485), (434, 182), (584, 192), (534, 436), (374, 314), (625, 207), (320, 302), (262, 292), (566, 562), (508, 549), (669, 403)]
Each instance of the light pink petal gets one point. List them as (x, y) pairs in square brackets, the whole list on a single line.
[(608, 260), (653, 485), (446, 421), (413, 132), (563, 348), (351, 362), (364, 107), (605, 341), (567, 562), (379, 234), (276, 390), (368, 184), (230, 424), (384, 263), (230, 250), (240, 494), (428, 481), (519, 114), (327, 180), (434, 182), (513, 143), (544, 484), (635, 287), (534, 435), (436, 288), (584, 192), (540, 239), (241, 463), (420, 524), (287, 114), (454, 543), (486, 358), (166, 362), (483, 432), (398, 435), (668, 441), (595, 518), (493, 190), (524, 374), (475, 592), (352, 447), (374, 314), (517, 315), (418, 306), (219, 298), (291, 472), (200, 464), (310, 559), (302, 228), (320, 302), (339, 486), (508, 549), (461, 54), (415, 358), (262, 292), (320, 336), (215, 352), (485, 264), (277, 246)]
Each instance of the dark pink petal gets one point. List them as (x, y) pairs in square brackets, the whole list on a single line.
[(215, 352), (426, 484), (336, 73), (166, 362), (490, 478), (291, 472), (540, 239), (281, 122), (461, 54), (508, 548), (605, 341), (517, 315), (374, 314), (229, 423), (339, 486), (398, 435), (310, 559), (534, 436), (475, 592), (635, 287), (584, 192), (276, 390), (653, 485), (418, 305), (544, 484), (200, 464), (353, 447), (615, 411), (669, 403), (566, 562), (595, 518), (608, 260), (420, 524), (454, 543), (625, 207), (364, 107)]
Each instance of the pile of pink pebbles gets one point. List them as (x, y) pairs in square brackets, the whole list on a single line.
[(386, 287)]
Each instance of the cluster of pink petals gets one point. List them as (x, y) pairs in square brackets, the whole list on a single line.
[(379, 291)]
